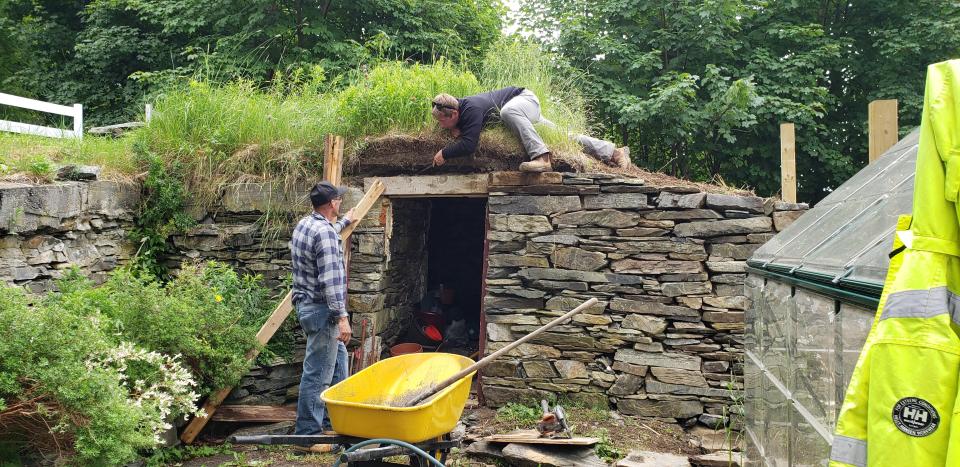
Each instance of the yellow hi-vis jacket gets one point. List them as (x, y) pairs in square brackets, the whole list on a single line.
[(901, 399)]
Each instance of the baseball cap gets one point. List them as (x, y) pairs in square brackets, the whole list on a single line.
[(325, 191)]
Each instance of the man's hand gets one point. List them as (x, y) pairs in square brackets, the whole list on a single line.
[(345, 332), (455, 132), (438, 159), (350, 215)]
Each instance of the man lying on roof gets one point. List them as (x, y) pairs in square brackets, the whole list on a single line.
[(519, 109)]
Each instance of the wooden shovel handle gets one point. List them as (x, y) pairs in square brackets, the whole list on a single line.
[(489, 358)]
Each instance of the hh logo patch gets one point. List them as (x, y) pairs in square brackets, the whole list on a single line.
[(915, 416)]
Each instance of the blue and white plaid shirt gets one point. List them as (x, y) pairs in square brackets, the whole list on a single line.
[(317, 260)]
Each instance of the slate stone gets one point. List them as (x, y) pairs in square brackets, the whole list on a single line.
[(727, 266), (279, 428), (604, 218), (571, 369), (656, 387), (783, 219), (579, 259), (519, 223), (660, 408), (663, 360), (724, 227), (719, 459), (678, 201), (534, 455), (723, 317), (539, 369), (485, 450), (633, 201), (638, 370), (642, 232), (512, 261), (742, 203), (653, 459), (502, 369), (78, 172), (648, 324), (562, 275), (498, 332), (559, 239), (674, 289), (716, 367), (728, 250), (785, 206), (625, 385), (513, 302), (685, 215), (656, 267), (539, 204), (681, 377), (728, 278), (736, 302), (561, 285), (496, 396), (653, 308)]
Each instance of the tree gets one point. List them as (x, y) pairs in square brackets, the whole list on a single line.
[(108, 54), (700, 87)]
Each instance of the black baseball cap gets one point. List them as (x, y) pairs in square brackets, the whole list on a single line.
[(323, 192)]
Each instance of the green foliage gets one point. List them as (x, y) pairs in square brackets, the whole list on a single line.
[(207, 314), (177, 455), (519, 414), (40, 167), (111, 55), (113, 154), (605, 448), (699, 89)]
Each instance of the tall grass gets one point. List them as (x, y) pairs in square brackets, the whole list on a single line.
[(21, 154)]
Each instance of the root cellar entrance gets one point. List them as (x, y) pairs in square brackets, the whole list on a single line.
[(445, 316)]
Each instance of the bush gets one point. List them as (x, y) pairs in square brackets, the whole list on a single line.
[(97, 373)]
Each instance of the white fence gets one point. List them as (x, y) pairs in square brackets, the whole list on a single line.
[(76, 112)]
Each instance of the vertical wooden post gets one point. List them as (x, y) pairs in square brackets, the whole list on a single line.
[(788, 163), (333, 160), (883, 127)]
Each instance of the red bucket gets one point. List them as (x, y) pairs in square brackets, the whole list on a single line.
[(403, 349)]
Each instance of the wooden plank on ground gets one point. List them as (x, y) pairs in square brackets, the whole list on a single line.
[(533, 437), (525, 178), (424, 186), (788, 163), (883, 127), (255, 413)]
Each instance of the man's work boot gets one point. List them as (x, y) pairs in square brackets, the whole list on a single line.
[(621, 157), (541, 164)]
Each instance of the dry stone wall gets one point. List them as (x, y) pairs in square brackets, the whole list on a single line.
[(46, 229), (668, 266)]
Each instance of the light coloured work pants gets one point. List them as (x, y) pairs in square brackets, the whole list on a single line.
[(523, 111)]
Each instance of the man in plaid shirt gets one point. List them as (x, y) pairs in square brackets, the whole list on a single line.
[(319, 295)]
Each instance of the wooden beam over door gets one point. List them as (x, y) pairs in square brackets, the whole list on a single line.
[(425, 186)]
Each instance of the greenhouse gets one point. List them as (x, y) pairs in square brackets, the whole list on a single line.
[(814, 289)]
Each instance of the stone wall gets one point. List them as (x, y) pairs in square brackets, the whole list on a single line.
[(668, 266), (46, 229)]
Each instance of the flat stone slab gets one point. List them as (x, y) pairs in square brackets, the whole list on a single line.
[(528, 455), (719, 459), (653, 459)]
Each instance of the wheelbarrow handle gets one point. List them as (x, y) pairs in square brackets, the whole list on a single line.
[(490, 358)]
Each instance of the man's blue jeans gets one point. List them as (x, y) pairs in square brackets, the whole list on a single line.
[(324, 365)]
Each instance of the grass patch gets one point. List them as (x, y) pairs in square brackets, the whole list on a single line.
[(519, 414), (38, 156)]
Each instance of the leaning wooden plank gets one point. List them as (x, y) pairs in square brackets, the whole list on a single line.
[(273, 323), (267, 331), (255, 413)]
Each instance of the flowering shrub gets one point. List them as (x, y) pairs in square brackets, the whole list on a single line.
[(92, 375)]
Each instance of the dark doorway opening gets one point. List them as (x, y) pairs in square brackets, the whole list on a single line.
[(453, 300)]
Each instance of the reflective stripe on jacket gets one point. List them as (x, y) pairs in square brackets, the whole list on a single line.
[(900, 401)]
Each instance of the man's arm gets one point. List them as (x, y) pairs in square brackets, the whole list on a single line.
[(346, 220), (330, 273), (466, 144)]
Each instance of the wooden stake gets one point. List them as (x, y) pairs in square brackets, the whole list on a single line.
[(883, 127), (333, 160), (788, 163)]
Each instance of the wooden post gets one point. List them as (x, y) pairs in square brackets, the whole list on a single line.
[(788, 163), (333, 170), (883, 127)]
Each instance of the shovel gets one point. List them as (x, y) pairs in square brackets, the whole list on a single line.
[(429, 392)]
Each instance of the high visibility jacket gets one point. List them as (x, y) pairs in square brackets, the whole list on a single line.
[(900, 402)]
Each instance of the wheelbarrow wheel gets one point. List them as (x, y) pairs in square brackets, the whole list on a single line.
[(440, 454)]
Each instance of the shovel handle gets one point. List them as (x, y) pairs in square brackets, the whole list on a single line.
[(490, 358)]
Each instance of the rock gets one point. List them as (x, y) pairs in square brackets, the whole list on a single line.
[(685, 215), (642, 232), (499, 333), (681, 377), (741, 203), (713, 421), (709, 439), (564, 303), (631, 369), (498, 396), (785, 206), (724, 227), (660, 408), (737, 252), (571, 369), (520, 223), (653, 459), (485, 450), (625, 385), (561, 285), (664, 360), (719, 459), (116, 129), (562, 275), (727, 266), (559, 239), (616, 201), (677, 201), (579, 259), (675, 289), (279, 428), (783, 219), (502, 369), (656, 267), (537, 204), (648, 324), (513, 302), (656, 387), (592, 320), (716, 367), (539, 369), (603, 218), (654, 308), (532, 455), (723, 317), (512, 261), (78, 172)]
